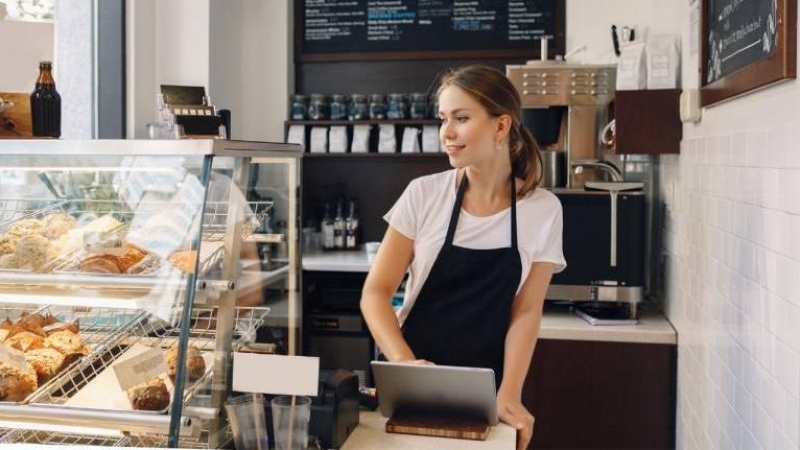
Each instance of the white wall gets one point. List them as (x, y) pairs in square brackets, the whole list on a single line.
[(732, 241), (26, 43), (237, 49)]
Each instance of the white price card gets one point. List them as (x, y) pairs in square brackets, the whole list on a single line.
[(275, 374), (140, 368), (13, 357)]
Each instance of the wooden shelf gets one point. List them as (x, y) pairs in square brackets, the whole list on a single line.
[(373, 155), (364, 122)]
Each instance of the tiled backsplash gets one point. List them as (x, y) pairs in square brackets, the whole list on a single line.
[(731, 248)]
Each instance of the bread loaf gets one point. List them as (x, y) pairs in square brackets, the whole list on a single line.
[(55, 225), (47, 362), (24, 227), (195, 364), (16, 384), (25, 341), (149, 396), (184, 260)]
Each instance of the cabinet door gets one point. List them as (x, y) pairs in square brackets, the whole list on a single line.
[(602, 395)]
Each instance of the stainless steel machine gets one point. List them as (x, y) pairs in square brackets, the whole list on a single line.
[(565, 106)]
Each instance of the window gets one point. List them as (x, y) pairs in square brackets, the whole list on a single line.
[(30, 9)]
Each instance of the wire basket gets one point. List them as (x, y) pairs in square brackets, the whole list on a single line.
[(154, 333), (14, 436), (97, 334)]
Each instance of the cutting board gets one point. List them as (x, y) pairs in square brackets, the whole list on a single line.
[(19, 115), (439, 426)]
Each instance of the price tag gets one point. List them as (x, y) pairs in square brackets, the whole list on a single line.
[(13, 357), (275, 374), (140, 368)]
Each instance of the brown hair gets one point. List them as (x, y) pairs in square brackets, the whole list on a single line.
[(498, 96)]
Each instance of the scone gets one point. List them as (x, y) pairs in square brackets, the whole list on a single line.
[(25, 341), (16, 384), (149, 265), (68, 344), (149, 396), (55, 225), (184, 260), (31, 252), (8, 244), (24, 227), (195, 364), (47, 362)]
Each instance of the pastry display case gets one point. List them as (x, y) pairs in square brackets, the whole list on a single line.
[(129, 273)]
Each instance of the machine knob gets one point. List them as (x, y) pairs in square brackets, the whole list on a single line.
[(593, 92), (573, 92), (525, 92), (525, 84), (525, 75), (544, 83)]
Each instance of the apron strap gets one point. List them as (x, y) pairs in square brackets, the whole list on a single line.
[(451, 227), (513, 212)]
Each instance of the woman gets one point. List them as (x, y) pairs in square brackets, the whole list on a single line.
[(480, 243)]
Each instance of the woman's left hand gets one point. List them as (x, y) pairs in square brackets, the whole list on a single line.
[(512, 412)]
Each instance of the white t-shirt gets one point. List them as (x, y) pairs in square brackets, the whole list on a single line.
[(422, 214)]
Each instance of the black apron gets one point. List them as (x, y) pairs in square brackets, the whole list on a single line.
[(463, 310)]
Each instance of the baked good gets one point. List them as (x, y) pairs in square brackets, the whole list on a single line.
[(8, 244), (149, 265), (55, 327), (7, 261), (130, 258), (69, 344), (149, 396), (16, 384), (46, 362), (24, 227), (31, 252), (103, 224), (55, 225), (195, 364), (25, 341), (100, 264), (184, 260)]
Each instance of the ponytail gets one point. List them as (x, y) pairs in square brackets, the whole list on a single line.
[(526, 158)]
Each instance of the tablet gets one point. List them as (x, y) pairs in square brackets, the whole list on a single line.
[(466, 391)]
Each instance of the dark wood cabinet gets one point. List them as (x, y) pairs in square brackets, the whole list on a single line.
[(648, 122), (602, 395)]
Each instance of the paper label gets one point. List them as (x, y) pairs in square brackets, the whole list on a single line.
[(140, 368), (13, 357), (275, 374)]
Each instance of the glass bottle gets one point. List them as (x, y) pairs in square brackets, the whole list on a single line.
[(338, 107), (377, 106), (397, 108), (299, 107), (359, 108), (418, 106), (46, 104), (319, 109), (327, 229), (338, 228), (351, 228)]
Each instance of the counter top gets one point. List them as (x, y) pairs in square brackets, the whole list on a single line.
[(370, 434), (653, 328), (337, 261)]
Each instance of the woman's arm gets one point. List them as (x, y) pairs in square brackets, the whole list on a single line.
[(523, 329), (390, 265)]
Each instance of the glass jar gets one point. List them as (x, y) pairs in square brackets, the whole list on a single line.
[(397, 108), (299, 107), (434, 112), (359, 109), (418, 109), (319, 109), (338, 107), (377, 106)]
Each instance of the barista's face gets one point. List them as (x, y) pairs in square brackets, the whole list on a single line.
[(468, 133)]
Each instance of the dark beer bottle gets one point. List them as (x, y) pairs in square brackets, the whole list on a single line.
[(46, 104)]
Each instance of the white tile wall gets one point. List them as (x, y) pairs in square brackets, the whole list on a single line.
[(732, 245)]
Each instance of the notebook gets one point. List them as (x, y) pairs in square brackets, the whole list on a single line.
[(434, 400)]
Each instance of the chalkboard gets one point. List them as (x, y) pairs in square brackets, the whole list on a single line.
[(340, 30), (747, 44)]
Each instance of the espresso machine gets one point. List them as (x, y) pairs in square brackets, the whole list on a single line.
[(565, 106)]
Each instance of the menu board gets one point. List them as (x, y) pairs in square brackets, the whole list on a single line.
[(371, 26), (740, 32)]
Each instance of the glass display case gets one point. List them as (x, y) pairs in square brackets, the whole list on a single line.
[(129, 273)]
